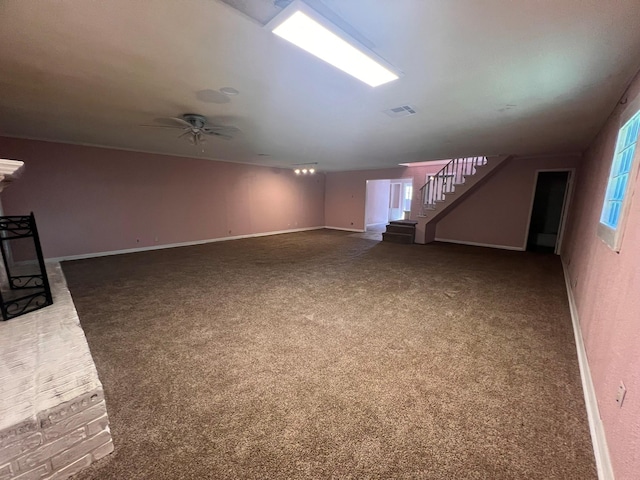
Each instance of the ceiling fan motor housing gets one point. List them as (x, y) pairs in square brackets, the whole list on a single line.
[(198, 121)]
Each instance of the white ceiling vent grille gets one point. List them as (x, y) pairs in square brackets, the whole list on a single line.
[(403, 111)]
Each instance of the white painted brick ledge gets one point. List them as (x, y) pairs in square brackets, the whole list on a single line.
[(53, 417)]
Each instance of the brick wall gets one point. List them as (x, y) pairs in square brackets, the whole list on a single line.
[(53, 417), (59, 443)]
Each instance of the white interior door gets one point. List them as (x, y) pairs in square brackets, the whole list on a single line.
[(395, 201)]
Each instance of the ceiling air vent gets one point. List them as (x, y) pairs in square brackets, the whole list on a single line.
[(403, 111)]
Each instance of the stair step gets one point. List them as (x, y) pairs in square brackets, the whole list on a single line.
[(397, 228), (397, 237), (403, 222)]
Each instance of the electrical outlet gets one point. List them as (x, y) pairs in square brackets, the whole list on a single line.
[(622, 391)]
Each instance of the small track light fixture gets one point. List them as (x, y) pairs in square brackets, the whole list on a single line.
[(305, 168)]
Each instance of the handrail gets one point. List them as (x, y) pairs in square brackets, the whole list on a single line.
[(446, 178)]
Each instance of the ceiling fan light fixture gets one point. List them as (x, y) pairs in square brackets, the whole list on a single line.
[(195, 128), (306, 29)]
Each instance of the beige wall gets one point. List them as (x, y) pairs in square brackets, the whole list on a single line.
[(90, 200), (606, 286), (498, 212)]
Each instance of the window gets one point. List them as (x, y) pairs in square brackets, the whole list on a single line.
[(620, 177)]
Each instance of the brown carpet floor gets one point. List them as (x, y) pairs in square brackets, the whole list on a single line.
[(321, 355)]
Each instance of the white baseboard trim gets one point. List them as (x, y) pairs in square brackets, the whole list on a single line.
[(476, 244), (598, 438), (359, 230), (181, 244)]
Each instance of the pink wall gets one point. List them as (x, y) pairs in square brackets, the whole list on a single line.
[(606, 287), (345, 192), (377, 201), (89, 200), (498, 212)]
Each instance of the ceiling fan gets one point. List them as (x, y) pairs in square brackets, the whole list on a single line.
[(195, 127)]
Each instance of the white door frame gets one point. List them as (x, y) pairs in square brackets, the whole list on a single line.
[(568, 195)]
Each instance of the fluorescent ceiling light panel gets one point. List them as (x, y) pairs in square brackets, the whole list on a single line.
[(310, 35)]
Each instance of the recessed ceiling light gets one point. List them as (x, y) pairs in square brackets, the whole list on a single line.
[(229, 91), (297, 171), (306, 29)]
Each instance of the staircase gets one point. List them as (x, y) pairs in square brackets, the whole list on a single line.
[(400, 231), (447, 187)]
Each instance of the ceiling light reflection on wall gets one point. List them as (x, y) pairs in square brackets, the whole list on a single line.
[(306, 29)]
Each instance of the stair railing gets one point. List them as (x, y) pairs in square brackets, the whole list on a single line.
[(445, 180)]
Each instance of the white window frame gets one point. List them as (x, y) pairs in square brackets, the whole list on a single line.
[(613, 237)]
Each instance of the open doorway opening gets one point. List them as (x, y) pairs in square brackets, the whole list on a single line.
[(387, 200), (548, 211)]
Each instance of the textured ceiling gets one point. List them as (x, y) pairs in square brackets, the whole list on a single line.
[(497, 76), (261, 11)]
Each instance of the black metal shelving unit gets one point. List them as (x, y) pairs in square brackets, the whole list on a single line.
[(24, 286)]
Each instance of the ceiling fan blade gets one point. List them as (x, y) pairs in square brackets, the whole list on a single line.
[(181, 121), (161, 126), (225, 130), (182, 135), (218, 134)]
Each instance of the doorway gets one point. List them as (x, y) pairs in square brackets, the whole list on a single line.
[(548, 211), (387, 200)]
